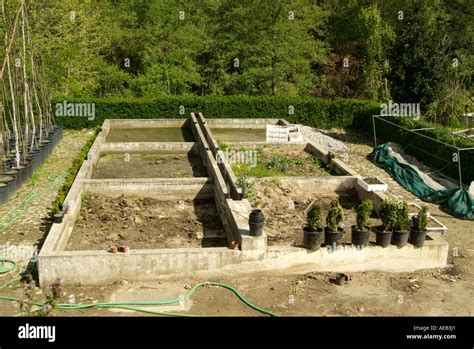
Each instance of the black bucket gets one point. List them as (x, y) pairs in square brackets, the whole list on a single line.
[(256, 220), (360, 238), (312, 239), (333, 238), (417, 238), (383, 237), (400, 238)]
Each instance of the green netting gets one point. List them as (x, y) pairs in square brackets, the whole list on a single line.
[(457, 200)]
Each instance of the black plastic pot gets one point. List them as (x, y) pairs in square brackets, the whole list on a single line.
[(383, 237), (312, 238), (58, 217), (256, 220), (360, 238), (400, 238), (417, 238), (333, 238)]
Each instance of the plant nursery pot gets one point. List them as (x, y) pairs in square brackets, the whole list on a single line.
[(333, 238), (256, 220), (400, 238), (417, 238), (58, 217), (383, 237), (312, 239), (360, 238)]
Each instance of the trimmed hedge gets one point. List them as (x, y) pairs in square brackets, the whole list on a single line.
[(72, 173), (436, 155), (316, 112)]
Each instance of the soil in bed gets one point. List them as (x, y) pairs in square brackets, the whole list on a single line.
[(284, 208), (163, 165), (150, 134), (239, 134), (145, 223), (272, 160)]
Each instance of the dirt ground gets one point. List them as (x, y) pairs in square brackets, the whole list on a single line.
[(150, 134), (163, 165), (145, 223)]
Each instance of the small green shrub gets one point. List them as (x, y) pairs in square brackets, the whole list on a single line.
[(402, 217), (388, 214), (420, 221), (315, 216), (364, 210), (335, 215)]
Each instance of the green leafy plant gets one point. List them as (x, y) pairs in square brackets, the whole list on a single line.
[(420, 221), (279, 163), (335, 215), (364, 210), (402, 217), (314, 216), (57, 204), (388, 214)]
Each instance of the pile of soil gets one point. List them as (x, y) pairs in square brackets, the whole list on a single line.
[(145, 223)]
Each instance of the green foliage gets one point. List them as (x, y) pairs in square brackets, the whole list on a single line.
[(420, 221), (86, 199), (335, 215), (57, 204), (315, 112), (376, 36), (248, 190), (279, 163), (388, 214), (364, 210), (419, 57), (314, 217), (402, 221)]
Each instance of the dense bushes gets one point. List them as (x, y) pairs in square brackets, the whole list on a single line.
[(429, 151), (320, 113), (72, 172)]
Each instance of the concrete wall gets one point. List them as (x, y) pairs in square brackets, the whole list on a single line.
[(323, 184), (241, 123), (100, 267), (158, 188)]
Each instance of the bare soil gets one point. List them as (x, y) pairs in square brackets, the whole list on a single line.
[(284, 207), (146, 223), (239, 134), (162, 165), (150, 134)]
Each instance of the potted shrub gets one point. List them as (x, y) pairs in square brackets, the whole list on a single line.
[(361, 231), (313, 232), (418, 228), (400, 232), (334, 230), (388, 214)]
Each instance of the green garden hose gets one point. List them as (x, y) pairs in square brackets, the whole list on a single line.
[(7, 265), (130, 305)]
